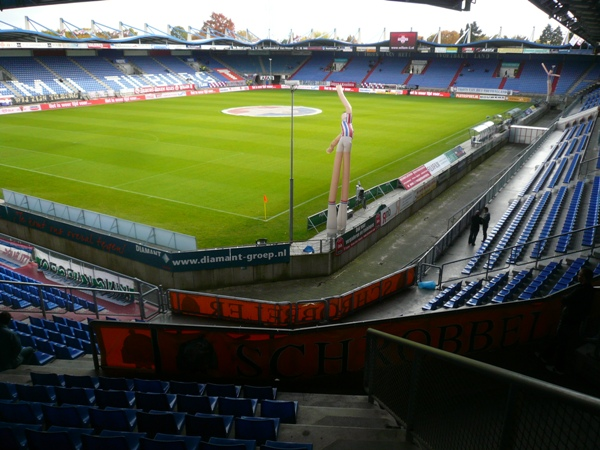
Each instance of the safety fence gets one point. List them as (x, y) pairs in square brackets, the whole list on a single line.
[(447, 401)]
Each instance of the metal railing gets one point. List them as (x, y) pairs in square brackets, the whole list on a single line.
[(448, 401), (460, 224), (502, 265)]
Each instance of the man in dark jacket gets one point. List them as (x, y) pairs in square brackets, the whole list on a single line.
[(12, 353)]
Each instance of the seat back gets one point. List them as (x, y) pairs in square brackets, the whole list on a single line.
[(47, 379), (208, 425), (25, 412), (116, 384), (285, 410), (153, 400), (36, 393), (154, 444), (193, 404), (158, 422), (75, 396), (157, 386), (188, 388), (222, 390), (81, 381), (44, 440), (259, 429), (237, 407), (113, 419), (116, 399), (92, 442), (66, 416)]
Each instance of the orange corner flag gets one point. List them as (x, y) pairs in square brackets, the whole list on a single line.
[(265, 200)]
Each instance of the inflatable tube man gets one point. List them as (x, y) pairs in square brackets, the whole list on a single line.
[(336, 222)]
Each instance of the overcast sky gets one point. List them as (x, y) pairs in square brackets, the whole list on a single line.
[(275, 18)]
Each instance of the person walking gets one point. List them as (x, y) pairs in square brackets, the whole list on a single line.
[(12, 353), (485, 222), (475, 224)]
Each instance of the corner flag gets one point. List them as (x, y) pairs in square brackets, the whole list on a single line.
[(265, 201)]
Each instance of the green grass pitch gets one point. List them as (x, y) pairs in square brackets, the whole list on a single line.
[(183, 165)]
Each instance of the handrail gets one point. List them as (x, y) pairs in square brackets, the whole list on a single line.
[(450, 401)]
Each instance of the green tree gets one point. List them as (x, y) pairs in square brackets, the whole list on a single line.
[(179, 32), (221, 24), (548, 37), (476, 33), (557, 36)]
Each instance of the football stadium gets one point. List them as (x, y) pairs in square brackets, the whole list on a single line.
[(194, 254)]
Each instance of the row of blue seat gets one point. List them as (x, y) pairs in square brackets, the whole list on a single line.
[(154, 386), (24, 296), (32, 437), (508, 292), (441, 298), (570, 276), (485, 294), (537, 284), (490, 237), (508, 235), (515, 253), (571, 219), (593, 214), (538, 247), (286, 410)]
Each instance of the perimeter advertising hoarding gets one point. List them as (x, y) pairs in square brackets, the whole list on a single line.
[(403, 40), (253, 354), (172, 261)]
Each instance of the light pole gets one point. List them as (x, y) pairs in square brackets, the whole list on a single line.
[(270, 71), (293, 84)]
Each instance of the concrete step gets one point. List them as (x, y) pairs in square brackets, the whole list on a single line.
[(345, 436)]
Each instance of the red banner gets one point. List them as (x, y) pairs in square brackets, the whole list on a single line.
[(414, 177), (327, 351)]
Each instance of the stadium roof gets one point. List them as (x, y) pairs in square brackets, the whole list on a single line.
[(582, 17), (10, 4)]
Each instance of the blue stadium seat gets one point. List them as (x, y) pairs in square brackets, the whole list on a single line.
[(259, 429), (222, 390), (189, 388), (116, 399), (22, 412), (117, 419), (284, 410), (66, 416), (47, 379), (153, 422), (237, 407), (192, 404), (216, 443), (208, 425), (148, 401)]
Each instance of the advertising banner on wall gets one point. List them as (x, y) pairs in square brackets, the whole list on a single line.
[(414, 177), (252, 354), (171, 261), (403, 41)]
